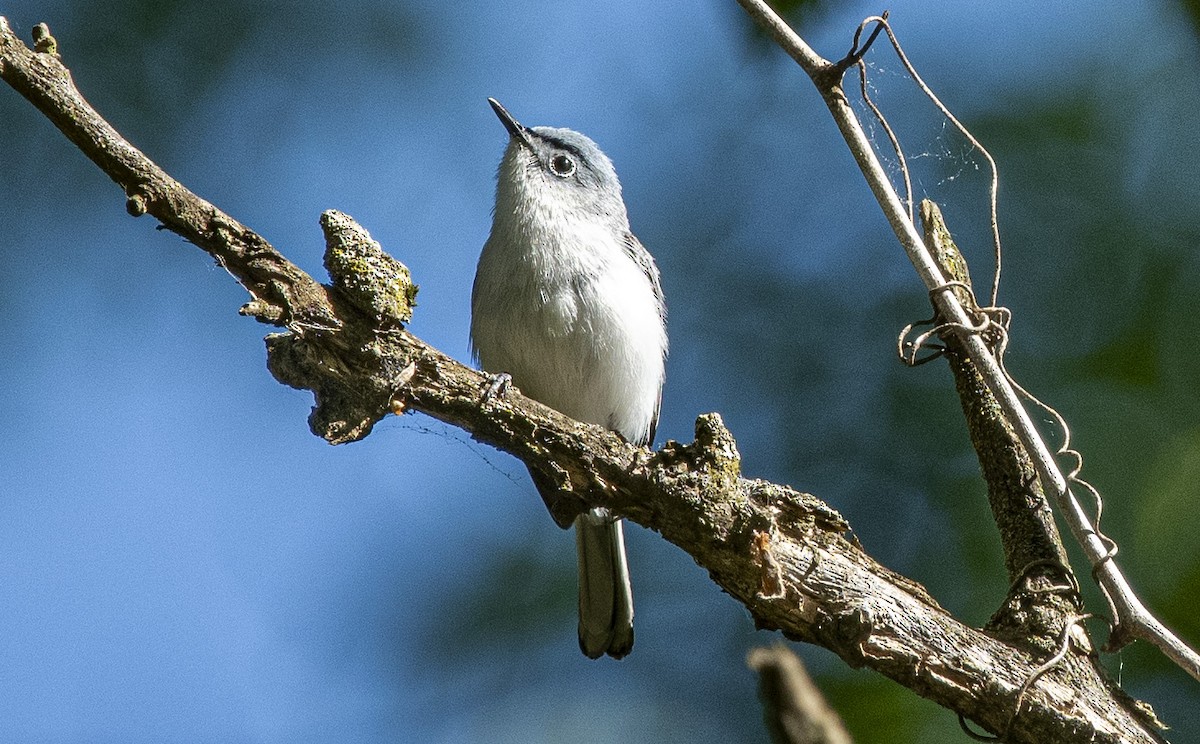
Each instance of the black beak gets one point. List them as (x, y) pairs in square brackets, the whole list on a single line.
[(515, 129)]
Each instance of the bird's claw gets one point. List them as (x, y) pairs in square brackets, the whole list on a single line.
[(495, 386)]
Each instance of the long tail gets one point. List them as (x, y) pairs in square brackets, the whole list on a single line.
[(605, 594)]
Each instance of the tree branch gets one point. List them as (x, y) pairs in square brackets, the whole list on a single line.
[(795, 710), (1132, 617), (282, 293), (785, 555), (1044, 594)]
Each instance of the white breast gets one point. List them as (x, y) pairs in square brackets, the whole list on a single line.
[(576, 323)]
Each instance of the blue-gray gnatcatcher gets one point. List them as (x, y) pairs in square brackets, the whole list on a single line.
[(567, 301)]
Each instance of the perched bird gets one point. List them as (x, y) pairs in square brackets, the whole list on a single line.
[(568, 303)]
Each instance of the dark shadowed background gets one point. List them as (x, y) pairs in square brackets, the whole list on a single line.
[(183, 561)]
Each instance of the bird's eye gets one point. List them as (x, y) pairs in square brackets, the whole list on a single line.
[(562, 166)]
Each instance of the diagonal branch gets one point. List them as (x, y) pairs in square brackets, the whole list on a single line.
[(783, 554), (1133, 619), (281, 293), (794, 709)]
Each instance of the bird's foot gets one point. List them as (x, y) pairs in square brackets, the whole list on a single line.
[(495, 386)]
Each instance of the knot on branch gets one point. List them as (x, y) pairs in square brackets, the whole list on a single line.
[(715, 446), (370, 279), (713, 454), (136, 205), (356, 367), (43, 42), (1042, 600), (708, 473)]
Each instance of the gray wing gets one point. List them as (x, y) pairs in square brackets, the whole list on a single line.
[(653, 424), (640, 256)]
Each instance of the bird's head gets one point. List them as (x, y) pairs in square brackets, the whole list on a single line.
[(557, 168)]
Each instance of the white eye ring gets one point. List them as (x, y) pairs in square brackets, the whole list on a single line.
[(562, 166)]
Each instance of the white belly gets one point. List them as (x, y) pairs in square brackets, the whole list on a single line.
[(581, 333)]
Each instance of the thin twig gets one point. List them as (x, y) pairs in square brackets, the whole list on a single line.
[(994, 187), (282, 295), (1133, 617)]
